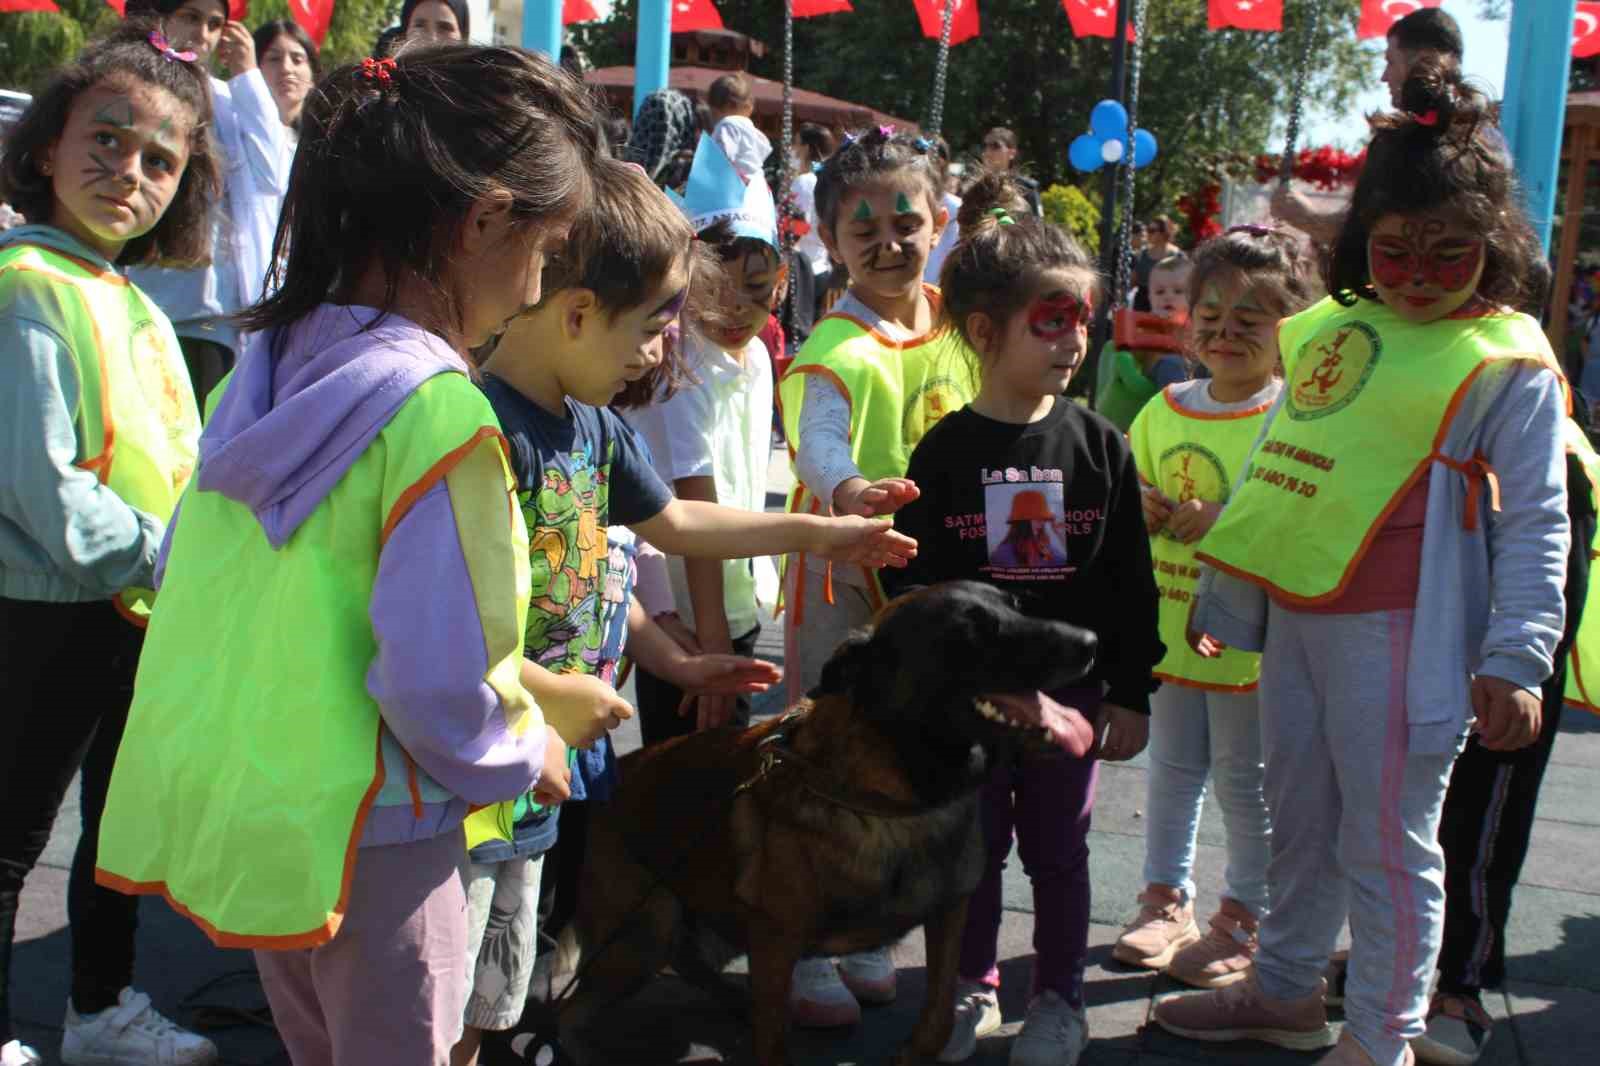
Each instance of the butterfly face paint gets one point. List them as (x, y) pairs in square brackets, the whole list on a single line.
[(670, 309), (1424, 267), (1054, 317)]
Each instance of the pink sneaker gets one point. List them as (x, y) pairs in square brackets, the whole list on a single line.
[(1224, 954), (1242, 1012), (1164, 927)]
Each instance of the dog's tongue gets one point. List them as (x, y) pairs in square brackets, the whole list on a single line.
[(1066, 727)]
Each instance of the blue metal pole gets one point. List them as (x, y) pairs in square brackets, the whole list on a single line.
[(1535, 107), (541, 27), (653, 54)]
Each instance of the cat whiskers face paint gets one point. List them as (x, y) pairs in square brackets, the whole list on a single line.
[(1424, 267)]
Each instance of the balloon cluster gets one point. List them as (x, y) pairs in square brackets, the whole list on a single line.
[(1107, 140)]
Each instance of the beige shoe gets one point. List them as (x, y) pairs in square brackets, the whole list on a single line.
[(1349, 1052), (1242, 1012), (1164, 927), (1224, 954)]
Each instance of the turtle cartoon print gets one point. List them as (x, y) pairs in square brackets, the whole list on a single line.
[(566, 518), (1026, 524)]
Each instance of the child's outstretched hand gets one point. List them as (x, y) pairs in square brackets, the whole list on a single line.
[(555, 779), (1192, 520), (1157, 508), (1123, 733), (873, 499), (582, 708), (722, 673), (868, 542), (1507, 717)]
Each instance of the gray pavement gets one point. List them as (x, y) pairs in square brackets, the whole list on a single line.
[(1548, 1013)]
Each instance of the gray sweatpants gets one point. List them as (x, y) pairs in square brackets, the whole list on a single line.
[(823, 625), (1355, 821)]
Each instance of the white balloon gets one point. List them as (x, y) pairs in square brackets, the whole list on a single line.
[(1111, 151)]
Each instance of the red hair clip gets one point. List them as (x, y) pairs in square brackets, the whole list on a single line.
[(378, 70), (1427, 118)]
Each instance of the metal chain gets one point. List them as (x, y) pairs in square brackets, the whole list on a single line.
[(1121, 285), (1297, 96), (788, 101), (941, 70)]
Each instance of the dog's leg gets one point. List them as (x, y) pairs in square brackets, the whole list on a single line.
[(942, 933), (773, 954)]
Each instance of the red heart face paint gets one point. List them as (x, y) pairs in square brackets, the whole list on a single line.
[(1054, 317), (1424, 267)]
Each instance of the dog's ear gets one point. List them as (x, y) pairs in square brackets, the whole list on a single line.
[(846, 666)]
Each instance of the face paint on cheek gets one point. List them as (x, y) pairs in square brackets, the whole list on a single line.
[(1390, 267), (1454, 274), (1051, 320), (673, 306)]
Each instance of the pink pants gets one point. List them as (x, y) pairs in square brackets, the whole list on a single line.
[(390, 988)]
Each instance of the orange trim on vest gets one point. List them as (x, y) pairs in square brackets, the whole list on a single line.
[(818, 368), (127, 615), (935, 302), (94, 268), (289, 942), (1478, 472), (1204, 686), (411, 785), (1210, 416), (435, 474)]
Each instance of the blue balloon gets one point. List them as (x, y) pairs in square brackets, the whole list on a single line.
[(1144, 147), (1109, 121), (1084, 153)]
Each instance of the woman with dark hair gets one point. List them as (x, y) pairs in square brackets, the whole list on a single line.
[(255, 175), (435, 21), (1000, 155), (289, 63)]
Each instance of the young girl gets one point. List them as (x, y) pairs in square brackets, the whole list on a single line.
[(1396, 551), (354, 561), (1019, 291), (873, 376), (113, 163), (1190, 444)]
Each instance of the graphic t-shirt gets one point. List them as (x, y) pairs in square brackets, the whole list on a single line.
[(1051, 512)]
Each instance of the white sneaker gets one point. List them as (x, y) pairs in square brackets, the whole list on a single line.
[(818, 999), (16, 1053), (869, 975), (977, 1014), (133, 1033), (1054, 1034)]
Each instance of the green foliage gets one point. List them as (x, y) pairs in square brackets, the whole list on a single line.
[(1067, 206), (1203, 94), (34, 43)]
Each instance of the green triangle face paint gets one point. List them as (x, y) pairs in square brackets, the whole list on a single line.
[(863, 212), (902, 204)]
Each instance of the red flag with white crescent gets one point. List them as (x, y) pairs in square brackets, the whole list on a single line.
[(1095, 18), (312, 16), (695, 15), (575, 11), (1245, 15), (1377, 16), (1586, 31), (963, 19)]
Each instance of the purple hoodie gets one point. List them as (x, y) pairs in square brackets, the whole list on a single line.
[(281, 438)]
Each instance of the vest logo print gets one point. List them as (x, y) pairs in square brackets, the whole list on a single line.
[(153, 366), (937, 397), (1190, 471), (1333, 368)]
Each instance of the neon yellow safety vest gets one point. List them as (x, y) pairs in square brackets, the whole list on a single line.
[(1190, 455), (897, 390), (1368, 399), (245, 777), (138, 426), (1583, 658)]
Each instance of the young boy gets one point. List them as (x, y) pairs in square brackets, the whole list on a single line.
[(711, 441), (732, 103), (620, 280), (1126, 380)]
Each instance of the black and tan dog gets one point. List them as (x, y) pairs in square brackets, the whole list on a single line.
[(858, 822)]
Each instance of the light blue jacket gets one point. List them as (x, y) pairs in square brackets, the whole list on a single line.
[(1490, 599), (64, 537)]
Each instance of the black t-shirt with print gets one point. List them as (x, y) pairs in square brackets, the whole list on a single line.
[(1049, 511)]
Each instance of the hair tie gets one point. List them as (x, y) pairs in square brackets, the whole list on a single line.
[(886, 131), (1002, 216), (923, 145), (159, 42), (1427, 118), (816, 168), (378, 70), (1253, 230), (849, 139)]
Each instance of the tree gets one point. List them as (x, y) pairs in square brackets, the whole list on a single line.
[(34, 43), (1204, 95)]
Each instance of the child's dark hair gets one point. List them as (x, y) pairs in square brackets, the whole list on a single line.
[(1440, 153), (718, 246), (268, 33), (818, 140), (392, 158), (1271, 260), (1430, 30), (995, 266), (730, 92), (182, 238), (868, 157), (989, 191)]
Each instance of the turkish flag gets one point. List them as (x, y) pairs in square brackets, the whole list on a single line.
[(578, 11), (695, 15), (28, 5), (312, 16), (963, 19), (1377, 16), (119, 6), (804, 9), (1245, 14), (239, 10), (1586, 31), (1095, 18)]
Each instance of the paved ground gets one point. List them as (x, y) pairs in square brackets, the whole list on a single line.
[(1549, 1012)]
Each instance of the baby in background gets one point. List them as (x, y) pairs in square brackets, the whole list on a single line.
[(733, 101)]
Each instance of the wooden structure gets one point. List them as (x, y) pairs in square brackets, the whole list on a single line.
[(1580, 147)]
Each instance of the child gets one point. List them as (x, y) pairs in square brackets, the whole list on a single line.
[(1190, 446), (255, 158), (1019, 291), (1125, 380), (871, 379), (353, 560), (113, 164), (1404, 516), (733, 101), (711, 440)]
